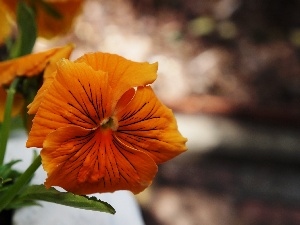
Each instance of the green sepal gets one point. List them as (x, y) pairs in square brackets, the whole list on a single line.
[(41, 193)]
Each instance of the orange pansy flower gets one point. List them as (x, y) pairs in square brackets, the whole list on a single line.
[(101, 126), (29, 66), (50, 25)]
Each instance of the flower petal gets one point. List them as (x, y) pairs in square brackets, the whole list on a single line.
[(149, 126), (35, 104), (49, 74), (30, 65), (123, 73), (63, 52), (124, 100), (49, 25), (89, 161), (79, 95), (5, 23)]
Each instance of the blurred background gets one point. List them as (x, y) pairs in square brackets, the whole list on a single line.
[(230, 71)]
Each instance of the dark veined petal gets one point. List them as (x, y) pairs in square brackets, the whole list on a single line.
[(123, 73), (78, 96), (149, 126), (87, 161)]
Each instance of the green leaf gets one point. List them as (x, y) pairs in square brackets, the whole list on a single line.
[(7, 174), (18, 186), (21, 203), (7, 166), (27, 31), (39, 192)]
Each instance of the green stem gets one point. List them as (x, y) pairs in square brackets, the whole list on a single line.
[(7, 119), (20, 183)]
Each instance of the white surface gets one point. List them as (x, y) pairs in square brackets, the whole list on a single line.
[(128, 211)]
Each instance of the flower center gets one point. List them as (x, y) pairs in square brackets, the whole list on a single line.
[(109, 123)]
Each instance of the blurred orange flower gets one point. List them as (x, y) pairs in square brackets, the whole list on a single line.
[(5, 23), (101, 126), (29, 66), (53, 17)]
